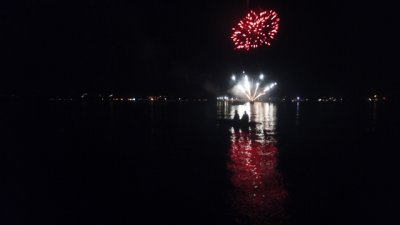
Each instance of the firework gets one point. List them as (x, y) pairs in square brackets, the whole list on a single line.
[(251, 89), (255, 30)]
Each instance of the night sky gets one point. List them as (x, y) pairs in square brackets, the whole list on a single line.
[(184, 48)]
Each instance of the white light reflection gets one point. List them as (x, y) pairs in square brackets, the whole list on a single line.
[(223, 110), (297, 113), (263, 113)]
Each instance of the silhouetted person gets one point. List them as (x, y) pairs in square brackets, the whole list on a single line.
[(245, 118), (244, 122), (236, 117), (236, 120)]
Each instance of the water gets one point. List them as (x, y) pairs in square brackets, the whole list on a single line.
[(174, 163), (259, 193)]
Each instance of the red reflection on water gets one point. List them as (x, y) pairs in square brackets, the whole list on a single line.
[(258, 190)]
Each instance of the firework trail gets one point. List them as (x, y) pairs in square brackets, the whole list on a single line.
[(252, 89)]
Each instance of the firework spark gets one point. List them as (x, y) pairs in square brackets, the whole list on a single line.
[(255, 30), (250, 89)]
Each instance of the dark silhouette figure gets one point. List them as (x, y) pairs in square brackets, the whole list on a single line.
[(245, 119), (236, 117), (236, 120)]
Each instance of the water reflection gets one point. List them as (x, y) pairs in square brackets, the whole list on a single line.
[(222, 110), (297, 113), (263, 113), (259, 194)]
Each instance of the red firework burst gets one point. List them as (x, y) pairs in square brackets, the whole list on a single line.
[(255, 30)]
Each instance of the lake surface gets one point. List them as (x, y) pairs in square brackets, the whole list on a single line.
[(176, 163)]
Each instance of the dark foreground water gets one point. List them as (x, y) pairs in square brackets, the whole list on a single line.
[(173, 163)]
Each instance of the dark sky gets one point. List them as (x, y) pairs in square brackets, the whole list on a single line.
[(184, 47)]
